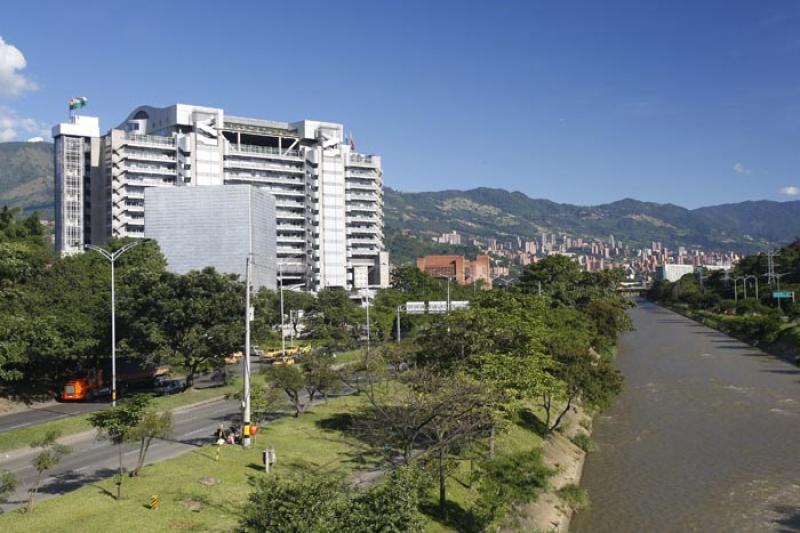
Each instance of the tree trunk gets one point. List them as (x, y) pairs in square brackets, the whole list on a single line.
[(561, 415), (442, 483), (546, 404), (143, 447), (119, 481), (34, 491)]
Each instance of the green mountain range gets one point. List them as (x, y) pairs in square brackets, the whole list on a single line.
[(496, 213), (26, 176), (412, 219)]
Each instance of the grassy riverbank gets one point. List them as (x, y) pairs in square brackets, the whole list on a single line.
[(304, 444), (786, 342)]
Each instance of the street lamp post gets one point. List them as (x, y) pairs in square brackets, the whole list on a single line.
[(365, 296), (112, 258), (755, 278), (283, 327), (246, 372), (448, 294), (398, 323)]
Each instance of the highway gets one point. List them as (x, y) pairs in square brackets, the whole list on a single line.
[(92, 460), (49, 411)]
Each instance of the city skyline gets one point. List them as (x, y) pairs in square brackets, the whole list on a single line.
[(689, 104)]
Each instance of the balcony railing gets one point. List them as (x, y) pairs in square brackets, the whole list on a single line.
[(264, 150), (254, 165), (150, 140)]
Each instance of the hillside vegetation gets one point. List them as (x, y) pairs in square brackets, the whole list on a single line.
[(26, 176), (26, 181)]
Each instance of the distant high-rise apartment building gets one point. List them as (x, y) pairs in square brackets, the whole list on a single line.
[(328, 197), (453, 238)]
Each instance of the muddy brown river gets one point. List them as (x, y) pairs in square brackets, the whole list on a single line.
[(704, 437)]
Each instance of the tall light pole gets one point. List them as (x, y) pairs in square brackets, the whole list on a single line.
[(448, 294), (398, 323), (365, 296), (283, 327), (246, 369), (754, 277), (112, 258)]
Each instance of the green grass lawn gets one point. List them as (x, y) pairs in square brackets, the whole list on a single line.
[(18, 438), (349, 357), (302, 444)]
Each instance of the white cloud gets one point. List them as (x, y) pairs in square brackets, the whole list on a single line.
[(12, 81), (791, 191), (12, 126), (739, 168)]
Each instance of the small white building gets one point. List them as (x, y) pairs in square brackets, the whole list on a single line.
[(672, 272)]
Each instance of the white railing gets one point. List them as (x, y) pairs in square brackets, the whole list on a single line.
[(153, 140), (253, 165), (146, 156), (263, 150), (153, 170)]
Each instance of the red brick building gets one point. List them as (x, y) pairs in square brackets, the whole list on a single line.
[(462, 270)]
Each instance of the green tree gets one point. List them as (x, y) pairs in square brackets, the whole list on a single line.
[(584, 377), (8, 484), (192, 320), (117, 424), (152, 425), (335, 318), (46, 460), (291, 380), (320, 376)]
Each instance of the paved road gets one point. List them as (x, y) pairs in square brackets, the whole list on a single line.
[(49, 411), (92, 460), (704, 436)]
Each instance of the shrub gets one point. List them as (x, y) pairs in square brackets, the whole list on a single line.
[(509, 480), (575, 497), (584, 442)]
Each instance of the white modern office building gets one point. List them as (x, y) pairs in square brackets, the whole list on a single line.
[(673, 272), (328, 197)]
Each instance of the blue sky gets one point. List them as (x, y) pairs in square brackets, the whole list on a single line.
[(694, 103)]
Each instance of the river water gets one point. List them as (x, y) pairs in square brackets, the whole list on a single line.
[(704, 437)]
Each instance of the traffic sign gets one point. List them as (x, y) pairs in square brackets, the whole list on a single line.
[(782, 294)]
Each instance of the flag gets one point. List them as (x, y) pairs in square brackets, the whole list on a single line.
[(78, 102)]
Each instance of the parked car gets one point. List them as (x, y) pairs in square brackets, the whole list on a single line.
[(170, 386)]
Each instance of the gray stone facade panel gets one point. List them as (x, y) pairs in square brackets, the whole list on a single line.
[(198, 227)]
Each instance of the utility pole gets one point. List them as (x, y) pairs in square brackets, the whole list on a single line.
[(283, 328), (745, 284), (247, 316), (771, 266), (365, 298), (540, 287), (398, 323), (448, 294), (112, 258)]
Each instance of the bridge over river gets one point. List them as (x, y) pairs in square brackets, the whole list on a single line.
[(704, 437)]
